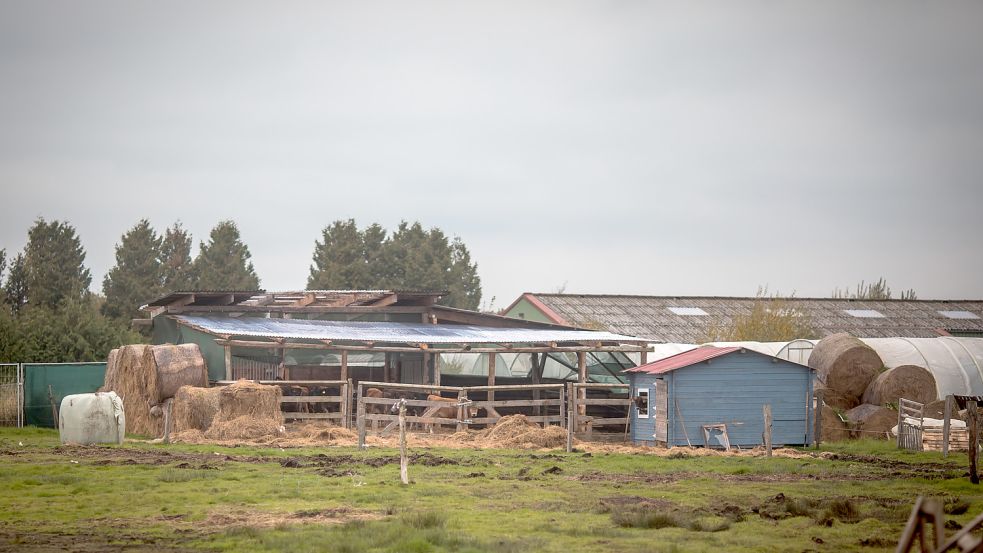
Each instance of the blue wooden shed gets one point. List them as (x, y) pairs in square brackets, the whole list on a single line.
[(676, 396)]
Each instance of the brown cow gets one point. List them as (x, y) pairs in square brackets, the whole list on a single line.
[(296, 407), (449, 412), (374, 408)]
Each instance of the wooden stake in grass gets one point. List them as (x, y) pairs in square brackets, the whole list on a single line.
[(404, 461), (974, 437), (767, 412)]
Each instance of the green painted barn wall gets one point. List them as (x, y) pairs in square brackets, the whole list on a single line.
[(65, 379), (526, 310)]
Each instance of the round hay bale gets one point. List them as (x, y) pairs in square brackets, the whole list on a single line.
[(132, 374), (244, 398), (936, 410), (845, 364), (871, 421), (194, 408), (178, 365), (905, 381), (837, 400), (833, 429)]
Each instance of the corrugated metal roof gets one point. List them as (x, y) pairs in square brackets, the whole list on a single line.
[(391, 332), (651, 316), (683, 359)]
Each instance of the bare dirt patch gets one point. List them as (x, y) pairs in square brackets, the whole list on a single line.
[(223, 519)]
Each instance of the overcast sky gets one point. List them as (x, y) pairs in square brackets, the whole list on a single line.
[(614, 147)]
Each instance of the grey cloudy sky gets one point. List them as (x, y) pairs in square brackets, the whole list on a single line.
[(618, 147)]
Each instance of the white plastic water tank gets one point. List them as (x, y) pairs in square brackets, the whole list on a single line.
[(92, 419)]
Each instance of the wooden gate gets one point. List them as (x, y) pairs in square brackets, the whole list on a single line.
[(910, 423), (581, 420)]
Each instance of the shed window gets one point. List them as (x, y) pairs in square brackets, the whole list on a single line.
[(642, 403), (688, 311), (864, 313), (959, 314)]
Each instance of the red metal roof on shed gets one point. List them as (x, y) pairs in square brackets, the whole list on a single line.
[(681, 360)]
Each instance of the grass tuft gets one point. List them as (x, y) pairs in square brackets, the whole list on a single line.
[(175, 475), (425, 519), (646, 519)]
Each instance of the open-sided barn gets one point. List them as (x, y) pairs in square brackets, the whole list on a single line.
[(677, 396)]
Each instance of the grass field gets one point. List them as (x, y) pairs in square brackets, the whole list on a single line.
[(205, 498)]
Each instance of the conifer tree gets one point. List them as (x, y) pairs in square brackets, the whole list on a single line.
[(340, 259), (465, 284), (15, 289), (175, 258), (54, 264), (224, 262), (411, 258), (138, 275)]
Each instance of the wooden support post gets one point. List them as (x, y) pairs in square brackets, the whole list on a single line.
[(360, 418), (538, 362), (436, 369), (385, 368), (347, 404), (563, 407), (581, 378), (491, 375), (946, 424), (344, 365), (818, 416), (571, 416), (404, 462), (427, 375), (766, 408), (974, 436), (228, 362), (462, 410), (643, 358), (168, 404)]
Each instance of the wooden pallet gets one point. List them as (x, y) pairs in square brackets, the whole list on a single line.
[(932, 439)]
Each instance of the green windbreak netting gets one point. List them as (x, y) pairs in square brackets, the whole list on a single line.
[(64, 379)]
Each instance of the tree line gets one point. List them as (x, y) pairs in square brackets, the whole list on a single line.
[(49, 314)]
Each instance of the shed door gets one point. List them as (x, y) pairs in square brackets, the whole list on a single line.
[(411, 371), (661, 411)]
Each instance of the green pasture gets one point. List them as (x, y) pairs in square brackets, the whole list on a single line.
[(152, 497)]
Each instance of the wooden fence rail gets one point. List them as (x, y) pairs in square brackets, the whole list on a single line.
[(367, 415)]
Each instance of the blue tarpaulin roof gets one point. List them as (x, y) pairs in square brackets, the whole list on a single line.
[(391, 332)]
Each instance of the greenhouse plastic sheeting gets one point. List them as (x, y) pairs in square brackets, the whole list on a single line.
[(956, 363), (64, 379)]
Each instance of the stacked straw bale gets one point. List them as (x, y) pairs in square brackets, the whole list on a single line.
[(144, 376), (194, 408), (905, 381), (132, 374), (844, 366), (246, 410)]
